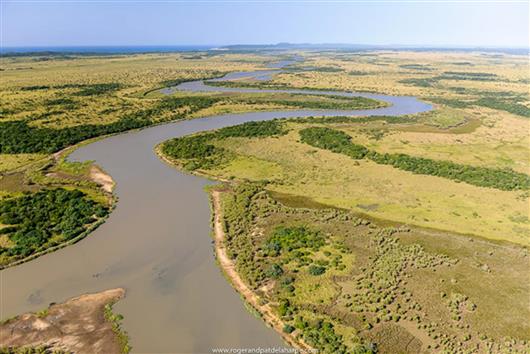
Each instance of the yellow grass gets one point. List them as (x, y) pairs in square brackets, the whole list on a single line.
[(400, 196)]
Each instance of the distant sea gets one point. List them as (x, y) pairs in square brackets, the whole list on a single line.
[(88, 50), (106, 49)]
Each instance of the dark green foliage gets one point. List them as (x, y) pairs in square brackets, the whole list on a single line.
[(192, 103), (43, 349), (18, 137), (322, 336), (322, 69), (86, 89), (238, 218), (274, 271), (253, 130), (419, 67), (261, 85), (36, 218), (504, 105), (325, 102), (345, 103), (285, 308), (286, 283), (196, 149), (455, 103), (190, 147), (505, 101), (35, 88), (201, 153), (62, 101), (350, 119), (316, 269), (449, 75), (358, 73), (208, 76), (288, 328), (333, 140), (340, 142), (286, 239), (478, 176), (425, 82), (98, 89), (462, 75)]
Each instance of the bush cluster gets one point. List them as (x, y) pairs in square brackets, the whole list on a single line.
[(35, 220)]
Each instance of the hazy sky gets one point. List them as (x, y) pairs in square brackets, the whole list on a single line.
[(100, 22)]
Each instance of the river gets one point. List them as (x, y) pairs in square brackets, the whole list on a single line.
[(157, 244)]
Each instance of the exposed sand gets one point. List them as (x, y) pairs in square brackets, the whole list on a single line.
[(77, 325), (101, 178)]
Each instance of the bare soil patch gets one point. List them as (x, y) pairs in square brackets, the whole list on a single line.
[(77, 325)]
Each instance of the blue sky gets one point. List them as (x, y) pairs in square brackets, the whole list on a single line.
[(100, 22)]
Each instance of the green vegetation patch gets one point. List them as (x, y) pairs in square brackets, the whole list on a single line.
[(366, 119), (287, 239), (46, 218), (333, 140), (199, 151), (504, 104), (252, 130), (419, 82), (340, 142), (321, 69), (99, 89), (463, 75), (19, 137), (116, 322), (419, 67)]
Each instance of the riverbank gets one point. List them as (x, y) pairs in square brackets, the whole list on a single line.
[(228, 267), (84, 324)]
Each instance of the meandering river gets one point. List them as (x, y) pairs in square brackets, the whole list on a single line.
[(157, 243)]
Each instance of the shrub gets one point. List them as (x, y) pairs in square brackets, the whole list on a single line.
[(316, 270)]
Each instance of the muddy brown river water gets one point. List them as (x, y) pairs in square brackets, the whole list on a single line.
[(157, 244)]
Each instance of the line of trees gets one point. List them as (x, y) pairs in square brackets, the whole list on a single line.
[(19, 137), (340, 142)]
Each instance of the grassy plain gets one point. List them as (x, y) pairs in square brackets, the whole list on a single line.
[(379, 191), (411, 262)]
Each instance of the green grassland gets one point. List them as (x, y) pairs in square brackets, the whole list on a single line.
[(342, 283), (279, 156)]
